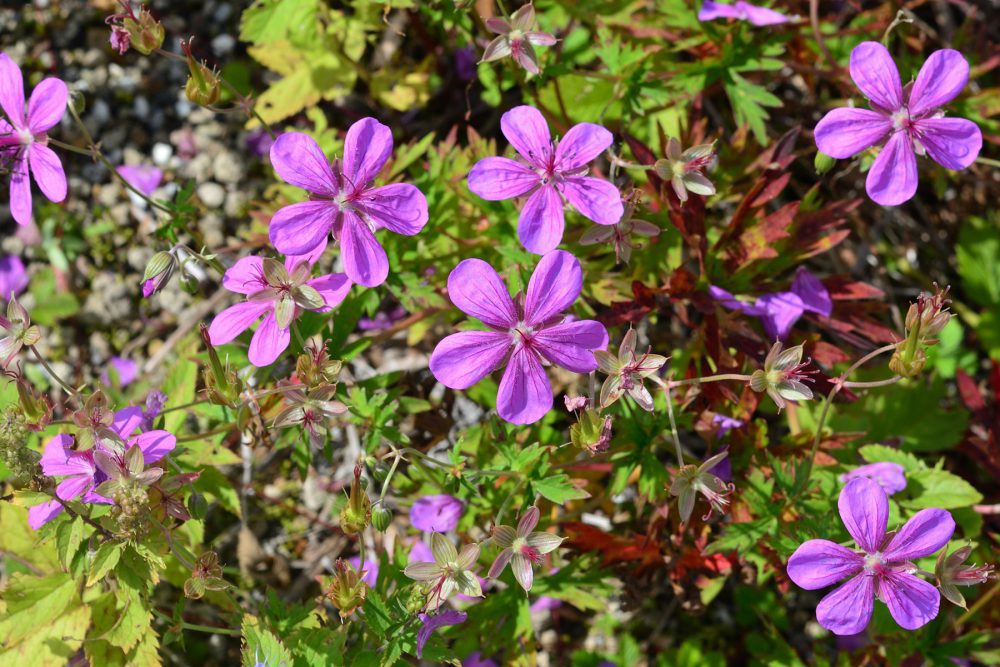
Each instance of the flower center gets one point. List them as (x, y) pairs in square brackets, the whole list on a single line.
[(901, 119), (25, 136), (874, 563), (521, 546)]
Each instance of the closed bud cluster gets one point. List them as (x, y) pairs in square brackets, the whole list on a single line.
[(592, 432), (924, 322), (142, 32), (357, 513), (347, 591), (131, 510), (203, 86)]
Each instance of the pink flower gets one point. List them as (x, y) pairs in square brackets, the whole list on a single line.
[(743, 11), (553, 171), (884, 568), (521, 336), (80, 471), (144, 178), (911, 118), (13, 277), (435, 621), (343, 202), (278, 293), (23, 140), (436, 514), (523, 548), (127, 371), (516, 38), (890, 476)]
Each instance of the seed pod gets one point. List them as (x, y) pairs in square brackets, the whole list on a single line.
[(381, 518)]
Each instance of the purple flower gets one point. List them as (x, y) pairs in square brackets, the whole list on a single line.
[(23, 140), (553, 171), (80, 470), (465, 64), (521, 336), (120, 39), (545, 603), (13, 277), (436, 514), (516, 38), (890, 476), (342, 200), (884, 569), (370, 575), (144, 178), (154, 405), (476, 659), (259, 142), (433, 622), (744, 11), (779, 311), (127, 371), (278, 292), (725, 424), (911, 118)]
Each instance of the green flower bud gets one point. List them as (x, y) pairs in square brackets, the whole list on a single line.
[(146, 33), (203, 86), (357, 513), (381, 518), (823, 163)]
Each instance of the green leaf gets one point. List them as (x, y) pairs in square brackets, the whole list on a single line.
[(939, 488), (213, 483), (559, 489), (978, 254), (52, 304), (34, 602), (261, 646), (69, 536), (377, 615), (881, 453), (271, 20), (49, 644), (105, 560), (742, 537)]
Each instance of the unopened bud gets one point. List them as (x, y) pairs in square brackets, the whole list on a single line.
[(823, 163), (381, 518), (348, 590), (222, 384), (36, 408), (203, 86), (592, 432), (158, 272), (357, 513), (197, 505), (145, 32)]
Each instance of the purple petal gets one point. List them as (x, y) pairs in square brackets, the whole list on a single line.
[(299, 160), (864, 507), (847, 609), (432, 623), (312, 256), (48, 172), (876, 75), (11, 90), (539, 38), (436, 514), (727, 300), (13, 276), (464, 358), (594, 198), (942, 77), (821, 563), (476, 289), (366, 148), (521, 567), (399, 207), (581, 145), (39, 515), (127, 420), (954, 143), (59, 459), (234, 320), (527, 131), (571, 344), (126, 369), (890, 476), (496, 178), (892, 179), (75, 486), (525, 394), (333, 287), (144, 178), (246, 276), (779, 311), (927, 531), (501, 562), (540, 226), (268, 342), (912, 601), (47, 105), (298, 229), (370, 576), (761, 16), (20, 192), (154, 445), (814, 295), (716, 10), (420, 553), (365, 261), (496, 49), (554, 286), (845, 132)]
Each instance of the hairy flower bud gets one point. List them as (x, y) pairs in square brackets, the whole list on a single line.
[(823, 163), (146, 34), (203, 86), (592, 432), (925, 320), (222, 384), (347, 590), (357, 513), (158, 272)]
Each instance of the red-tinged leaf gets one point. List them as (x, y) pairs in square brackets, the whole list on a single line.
[(821, 245), (631, 311), (842, 288), (969, 392), (778, 155), (641, 549), (771, 190), (760, 240), (826, 354)]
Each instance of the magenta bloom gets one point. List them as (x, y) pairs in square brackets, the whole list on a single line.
[(80, 472), (890, 476), (883, 569), (550, 172), (743, 11), (144, 178), (343, 201), (433, 622), (278, 293), (13, 277), (436, 514), (779, 311), (521, 337), (127, 369), (910, 121), (23, 138), (370, 575)]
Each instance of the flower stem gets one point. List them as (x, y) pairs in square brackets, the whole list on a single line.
[(978, 604), (673, 423), (736, 377), (55, 376), (197, 628), (874, 383)]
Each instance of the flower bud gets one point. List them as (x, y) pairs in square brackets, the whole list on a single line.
[(592, 432), (37, 408), (823, 163), (357, 513), (146, 34), (203, 86), (381, 518), (197, 505), (347, 591), (222, 384), (925, 320), (380, 471), (158, 273)]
